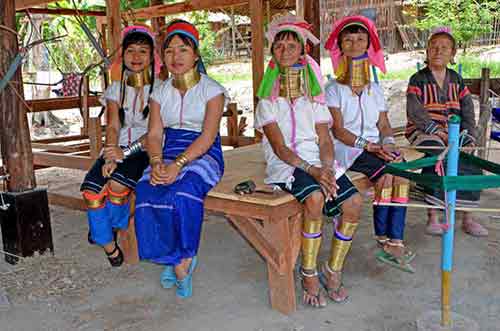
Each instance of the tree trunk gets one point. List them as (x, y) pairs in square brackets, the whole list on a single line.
[(14, 135)]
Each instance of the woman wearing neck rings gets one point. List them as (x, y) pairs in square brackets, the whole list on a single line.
[(298, 149), (185, 113), (107, 185)]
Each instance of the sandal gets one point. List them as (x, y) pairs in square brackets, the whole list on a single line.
[(337, 294), (320, 300), (381, 240), (474, 229), (185, 285), (168, 277), (401, 262), (117, 260)]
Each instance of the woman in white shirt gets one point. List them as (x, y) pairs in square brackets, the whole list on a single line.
[(185, 115), (107, 185), (299, 152)]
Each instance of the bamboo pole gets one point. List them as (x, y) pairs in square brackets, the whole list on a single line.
[(425, 206)]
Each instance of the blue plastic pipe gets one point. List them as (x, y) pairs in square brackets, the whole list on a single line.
[(447, 242)]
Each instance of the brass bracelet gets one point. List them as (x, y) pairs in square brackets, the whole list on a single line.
[(155, 159), (181, 160)]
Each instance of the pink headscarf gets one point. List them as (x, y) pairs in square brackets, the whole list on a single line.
[(303, 30), (117, 63), (375, 52)]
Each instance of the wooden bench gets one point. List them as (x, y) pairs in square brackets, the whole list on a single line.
[(272, 223)]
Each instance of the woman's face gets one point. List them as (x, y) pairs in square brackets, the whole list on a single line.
[(354, 44), (179, 57), (137, 57), (440, 51), (287, 51)]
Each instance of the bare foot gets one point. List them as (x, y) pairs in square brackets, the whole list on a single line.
[(312, 295), (395, 248), (181, 270)]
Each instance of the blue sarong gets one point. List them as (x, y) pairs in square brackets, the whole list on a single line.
[(168, 218)]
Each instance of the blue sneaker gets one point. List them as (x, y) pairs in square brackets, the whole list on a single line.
[(185, 285), (168, 277)]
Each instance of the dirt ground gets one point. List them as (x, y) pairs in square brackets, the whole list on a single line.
[(76, 289)]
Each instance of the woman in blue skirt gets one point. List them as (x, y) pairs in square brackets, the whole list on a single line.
[(185, 159)]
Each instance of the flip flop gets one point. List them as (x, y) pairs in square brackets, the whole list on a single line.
[(306, 292), (389, 259), (168, 277), (330, 290)]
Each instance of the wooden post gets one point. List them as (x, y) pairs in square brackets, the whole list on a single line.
[(484, 112), (299, 8), (233, 34), (257, 20), (84, 102), (113, 18), (312, 16), (14, 134), (95, 136), (25, 218), (158, 23)]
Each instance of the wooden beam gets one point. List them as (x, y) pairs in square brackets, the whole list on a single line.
[(300, 8), (66, 201), (113, 19), (61, 103), (23, 4), (56, 148), (62, 161), (60, 139), (257, 21), (474, 85), (484, 112), (15, 141), (312, 16), (182, 7), (64, 12)]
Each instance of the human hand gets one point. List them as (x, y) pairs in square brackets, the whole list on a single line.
[(108, 168), (113, 153), (157, 173), (326, 179)]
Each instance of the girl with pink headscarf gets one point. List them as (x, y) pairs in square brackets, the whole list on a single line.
[(107, 186), (364, 140)]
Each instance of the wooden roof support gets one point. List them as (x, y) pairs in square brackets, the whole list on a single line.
[(257, 21), (64, 11), (23, 4), (182, 7), (14, 135), (312, 16), (113, 23)]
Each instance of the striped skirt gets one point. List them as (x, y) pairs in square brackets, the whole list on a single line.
[(168, 218)]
